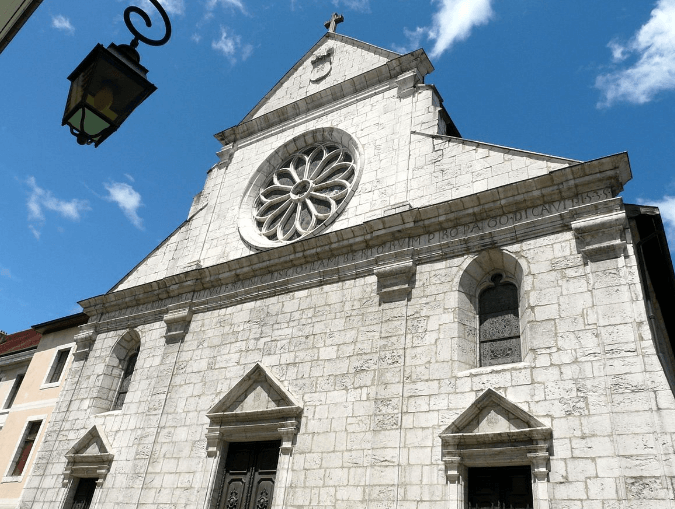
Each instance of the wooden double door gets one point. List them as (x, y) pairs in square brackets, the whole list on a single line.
[(250, 470)]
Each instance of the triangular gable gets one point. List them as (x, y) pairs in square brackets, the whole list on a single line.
[(91, 456), (94, 441), (258, 407), (492, 413), (333, 59), (259, 391)]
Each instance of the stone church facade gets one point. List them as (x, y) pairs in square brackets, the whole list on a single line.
[(364, 309)]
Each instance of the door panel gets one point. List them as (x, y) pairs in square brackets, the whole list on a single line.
[(250, 472)]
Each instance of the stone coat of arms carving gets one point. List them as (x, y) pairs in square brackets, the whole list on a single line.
[(321, 64)]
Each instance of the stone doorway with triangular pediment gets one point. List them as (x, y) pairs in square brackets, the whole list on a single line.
[(257, 410), (494, 432), (87, 466)]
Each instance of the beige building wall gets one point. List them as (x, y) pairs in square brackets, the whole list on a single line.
[(34, 401)]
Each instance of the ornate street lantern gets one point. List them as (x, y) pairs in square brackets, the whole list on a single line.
[(109, 83)]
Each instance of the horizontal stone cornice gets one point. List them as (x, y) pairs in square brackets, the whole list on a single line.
[(493, 217)]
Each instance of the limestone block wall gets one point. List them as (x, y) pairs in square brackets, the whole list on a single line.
[(399, 166), (445, 169), (379, 381)]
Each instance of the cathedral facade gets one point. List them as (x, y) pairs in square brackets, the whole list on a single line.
[(364, 309)]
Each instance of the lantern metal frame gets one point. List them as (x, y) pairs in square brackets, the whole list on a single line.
[(98, 82)]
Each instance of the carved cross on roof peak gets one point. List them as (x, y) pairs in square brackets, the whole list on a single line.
[(332, 24)]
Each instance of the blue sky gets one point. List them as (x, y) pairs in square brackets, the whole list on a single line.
[(579, 79)]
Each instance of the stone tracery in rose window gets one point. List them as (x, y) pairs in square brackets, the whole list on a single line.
[(304, 192)]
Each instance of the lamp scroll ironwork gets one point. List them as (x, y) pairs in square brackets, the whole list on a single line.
[(110, 83)]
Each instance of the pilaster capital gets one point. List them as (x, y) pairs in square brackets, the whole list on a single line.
[(539, 461), (452, 468), (600, 237), (84, 340), (406, 83), (177, 320), (395, 279)]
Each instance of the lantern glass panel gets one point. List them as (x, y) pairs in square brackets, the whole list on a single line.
[(113, 92), (93, 123), (78, 86)]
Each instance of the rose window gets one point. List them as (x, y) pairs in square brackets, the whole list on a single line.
[(305, 192)]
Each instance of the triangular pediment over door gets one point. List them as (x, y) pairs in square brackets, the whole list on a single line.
[(493, 431), (257, 408), (90, 457)]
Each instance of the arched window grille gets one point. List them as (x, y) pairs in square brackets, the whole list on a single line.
[(499, 323), (126, 380)]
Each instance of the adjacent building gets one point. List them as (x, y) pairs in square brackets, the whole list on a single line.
[(365, 310), (13, 15), (33, 366)]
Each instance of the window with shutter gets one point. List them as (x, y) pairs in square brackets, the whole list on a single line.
[(25, 448), (13, 392), (59, 364)]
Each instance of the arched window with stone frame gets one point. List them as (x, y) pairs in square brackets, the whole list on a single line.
[(112, 390), (490, 312)]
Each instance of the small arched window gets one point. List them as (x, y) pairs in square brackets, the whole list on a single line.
[(499, 324), (129, 367)]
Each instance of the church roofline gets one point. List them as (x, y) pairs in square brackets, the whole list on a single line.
[(329, 35), (608, 172), (393, 68), (500, 147)]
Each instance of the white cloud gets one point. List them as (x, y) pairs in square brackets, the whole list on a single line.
[(654, 70), (357, 5), (231, 46), (667, 208), (129, 177), (452, 22), (174, 7), (40, 200), (237, 4), (36, 233), (75, 309), (618, 51), (60, 22), (128, 200), (414, 38)]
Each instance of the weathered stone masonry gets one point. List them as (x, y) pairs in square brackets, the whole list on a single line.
[(356, 348)]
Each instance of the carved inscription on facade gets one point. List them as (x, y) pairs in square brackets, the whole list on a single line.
[(456, 232)]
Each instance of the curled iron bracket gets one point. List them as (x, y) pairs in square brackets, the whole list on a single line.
[(140, 37)]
